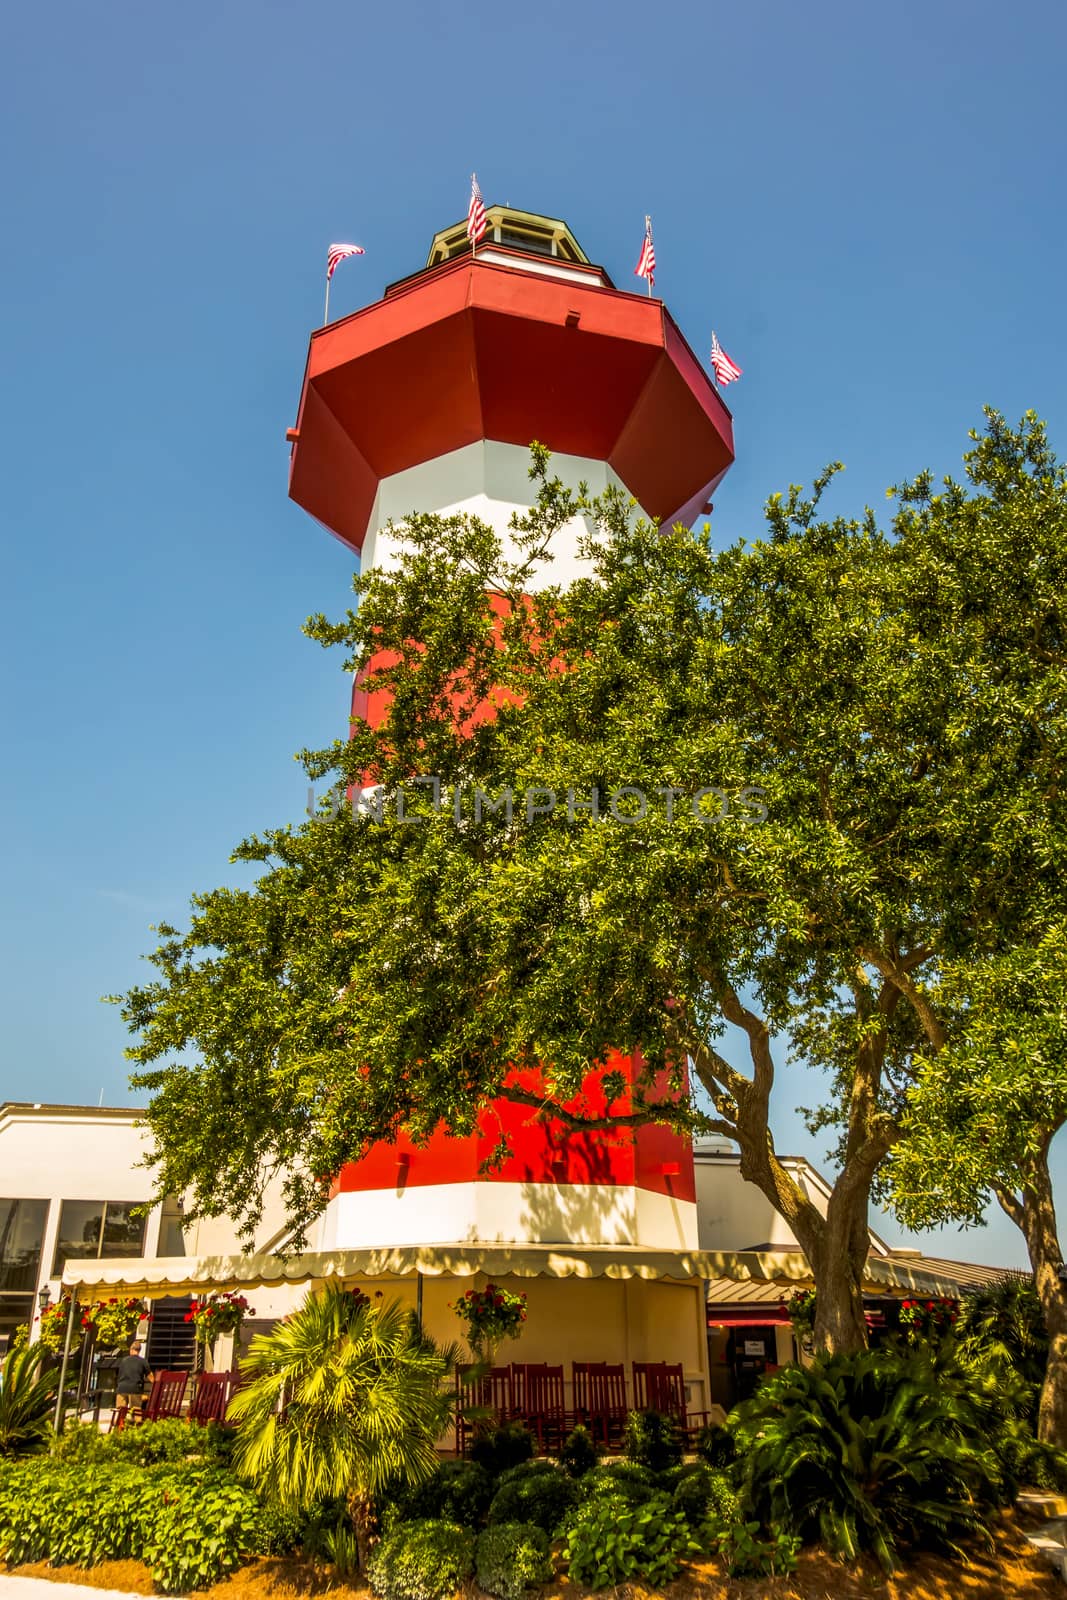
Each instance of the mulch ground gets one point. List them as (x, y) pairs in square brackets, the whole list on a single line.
[(1015, 1573)]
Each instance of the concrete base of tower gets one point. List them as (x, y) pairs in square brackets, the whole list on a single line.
[(573, 1214)]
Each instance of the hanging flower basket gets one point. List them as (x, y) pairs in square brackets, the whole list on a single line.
[(492, 1315), (800, 1309), (218, 1314), (53, 1321), (114, 1322)]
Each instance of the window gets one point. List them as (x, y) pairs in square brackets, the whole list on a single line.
[(22, 1225), (89, 1229)]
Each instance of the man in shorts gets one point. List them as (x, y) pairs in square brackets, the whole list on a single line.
[(132, 1379)]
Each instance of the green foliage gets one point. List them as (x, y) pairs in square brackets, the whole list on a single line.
[(609, 1541), (653, 1440), (27, 1398), (363, 1401), (537, 1492), (898, 696), (1005, 1322), (625, 1480), (700, 1494), (459, 1491), (168, 1440), (748, 1555), (578, 1454), (871, 1452), (510, 1558), (191, 1525), (498, 1446), (422, 1561), (715, 1445)]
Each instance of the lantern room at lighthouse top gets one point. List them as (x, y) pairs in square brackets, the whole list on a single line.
[(523, 339)]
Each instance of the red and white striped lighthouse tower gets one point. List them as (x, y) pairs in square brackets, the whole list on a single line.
[(427, 400)]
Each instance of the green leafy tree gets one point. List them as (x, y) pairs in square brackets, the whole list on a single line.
[(856, 711), (981, 1120), (343, 1400)]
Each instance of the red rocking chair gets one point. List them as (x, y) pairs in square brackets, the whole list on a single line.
[(165, 1400)]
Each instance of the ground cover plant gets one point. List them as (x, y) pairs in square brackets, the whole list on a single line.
[(422, 1561)]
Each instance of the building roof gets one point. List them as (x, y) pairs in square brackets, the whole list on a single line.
[(12, 1108)]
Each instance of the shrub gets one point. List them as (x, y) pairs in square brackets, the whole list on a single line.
[(498, 1446), (459, 1491), (700, 1494), (609, 1542), (421, 1561), (511, 1558), (870, 1451), (747, 1555), (27, 1396), (538, 1492), (716, 1445), (191, 1525), (579, 1452), (624, 1480), (152, 1442), (653, 1440)]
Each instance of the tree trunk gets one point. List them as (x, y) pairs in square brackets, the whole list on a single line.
[(837, 1249), (364, 1525), (1034, 1212)]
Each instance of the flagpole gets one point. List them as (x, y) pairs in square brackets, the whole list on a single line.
[(326, 311)]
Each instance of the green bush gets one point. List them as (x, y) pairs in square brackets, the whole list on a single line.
[(867, 1452), (498, 1446), (422, 1561), (27, 1398), (511, 1558), (611, 1542), (459, 1491), (653, 1440), (747, 1555), (700, 1494), (624, 1480), (715, 1445), (579, 1452), (192, 1525), (538, 1492), (152, 1442)]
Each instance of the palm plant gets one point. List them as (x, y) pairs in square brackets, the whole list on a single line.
[(867, 1452), (343, 1399), (27, 1396)]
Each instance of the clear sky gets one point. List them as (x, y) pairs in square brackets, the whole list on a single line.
[(866, 203)]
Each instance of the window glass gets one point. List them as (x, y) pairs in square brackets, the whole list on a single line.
[(80, 1222), (123, 1232), (22, 1225)]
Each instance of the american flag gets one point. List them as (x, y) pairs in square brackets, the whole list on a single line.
[(725, 370), (475, 213), (341, 252), (646, 266)]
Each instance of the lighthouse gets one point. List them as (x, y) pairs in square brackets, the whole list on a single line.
[(427, 401)]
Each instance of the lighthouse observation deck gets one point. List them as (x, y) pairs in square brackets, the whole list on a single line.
[(524, 339)]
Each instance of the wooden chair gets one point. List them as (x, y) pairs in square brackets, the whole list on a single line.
[(485, 1398), (538, 1401), (213, 1390), (660, 1386), (165, 1400), (600, 1399)]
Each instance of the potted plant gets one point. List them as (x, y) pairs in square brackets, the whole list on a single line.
[(113, 1322), (220, 1312), (492, 1315)]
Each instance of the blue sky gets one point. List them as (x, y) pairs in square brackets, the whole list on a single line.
[(865, 202)]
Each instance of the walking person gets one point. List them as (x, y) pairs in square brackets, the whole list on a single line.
[(131, 1381)]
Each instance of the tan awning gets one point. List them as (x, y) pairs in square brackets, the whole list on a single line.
[(166, 1275)]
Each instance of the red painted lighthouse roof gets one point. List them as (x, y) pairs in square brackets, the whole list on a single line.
[(490, 349)]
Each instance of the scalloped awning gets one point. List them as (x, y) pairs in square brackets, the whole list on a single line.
[(165, 1275)]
